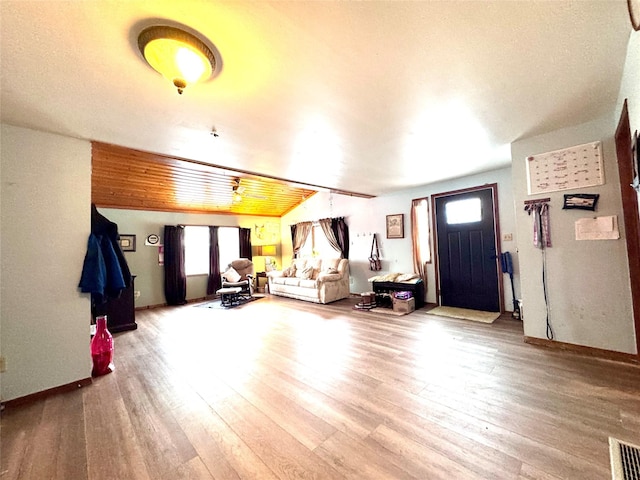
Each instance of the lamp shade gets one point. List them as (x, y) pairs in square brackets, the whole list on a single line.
[(179, 56), (264, 250)]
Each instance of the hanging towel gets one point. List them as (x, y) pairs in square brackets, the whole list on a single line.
[(541, 231)]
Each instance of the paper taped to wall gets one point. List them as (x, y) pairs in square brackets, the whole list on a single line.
[(599, 228)]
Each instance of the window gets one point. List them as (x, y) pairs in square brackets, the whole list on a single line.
[(422, 229), (196, 250), (463, 211), (228, 245), (317, 245)]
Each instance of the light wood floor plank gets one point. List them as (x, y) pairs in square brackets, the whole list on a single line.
[(113, 452), (283, 389)]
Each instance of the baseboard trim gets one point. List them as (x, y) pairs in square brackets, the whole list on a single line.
[(160, 305), (33, 397), (583, 350)]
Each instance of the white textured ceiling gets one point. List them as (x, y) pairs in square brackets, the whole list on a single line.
[(368, 97)]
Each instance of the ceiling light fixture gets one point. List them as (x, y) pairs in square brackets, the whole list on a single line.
[(179, 56)]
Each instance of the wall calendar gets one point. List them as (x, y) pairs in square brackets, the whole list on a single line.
[(575, 167)]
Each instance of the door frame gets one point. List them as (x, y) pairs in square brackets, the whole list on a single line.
[(631, 217), (496, 229)]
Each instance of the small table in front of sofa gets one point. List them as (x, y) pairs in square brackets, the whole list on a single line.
[(229, 296)]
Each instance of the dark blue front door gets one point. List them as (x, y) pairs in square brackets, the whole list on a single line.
[(467, 257)]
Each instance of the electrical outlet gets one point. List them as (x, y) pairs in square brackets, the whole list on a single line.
[(3, 365), (507, 237)]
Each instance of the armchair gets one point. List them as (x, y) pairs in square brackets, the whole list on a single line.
[(239, 274)]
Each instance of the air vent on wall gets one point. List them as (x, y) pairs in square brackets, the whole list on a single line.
[(625, 460)]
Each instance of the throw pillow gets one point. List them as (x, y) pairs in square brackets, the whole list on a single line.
[(232, 275), (307, 273)]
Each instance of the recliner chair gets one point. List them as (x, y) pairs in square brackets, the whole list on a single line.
[(244, 268)]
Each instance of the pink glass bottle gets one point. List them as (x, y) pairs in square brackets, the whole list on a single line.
[(102, 349)]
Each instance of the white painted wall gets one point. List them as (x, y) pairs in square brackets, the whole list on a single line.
[(588, 281), (144, 261), (46, 220), (368, 216)]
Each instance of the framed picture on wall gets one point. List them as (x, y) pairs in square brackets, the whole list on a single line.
[(395, 226), (128, 243)]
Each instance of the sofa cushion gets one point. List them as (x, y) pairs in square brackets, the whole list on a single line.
[(316, 263), (293, 281), (299, 263), (279, 280), (308, 283)]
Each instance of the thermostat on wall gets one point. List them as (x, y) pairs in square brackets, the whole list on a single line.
[(152, 239)]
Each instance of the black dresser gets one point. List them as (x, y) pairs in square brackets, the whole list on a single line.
[(120, 312)]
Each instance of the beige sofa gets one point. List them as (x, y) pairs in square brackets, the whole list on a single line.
[(314, 280)]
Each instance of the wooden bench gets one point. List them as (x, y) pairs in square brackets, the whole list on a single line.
[(416, 289)]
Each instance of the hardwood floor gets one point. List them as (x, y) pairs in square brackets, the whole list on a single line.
[(283, 389)]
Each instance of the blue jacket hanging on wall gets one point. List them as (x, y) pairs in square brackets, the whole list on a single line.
[(105, 272)]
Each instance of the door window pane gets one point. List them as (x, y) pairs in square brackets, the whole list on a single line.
[(463, 211)]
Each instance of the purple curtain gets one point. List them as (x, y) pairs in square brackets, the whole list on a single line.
[(175, 279), (214, 282), (245, 243), (326, 225), (341, 231), (293, 237)]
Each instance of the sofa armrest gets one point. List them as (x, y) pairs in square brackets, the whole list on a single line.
[(329, 277)]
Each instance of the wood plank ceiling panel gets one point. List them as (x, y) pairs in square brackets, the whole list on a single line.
[(132, 179)]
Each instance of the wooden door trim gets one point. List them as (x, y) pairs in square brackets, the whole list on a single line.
[(496, 226), (630, 213)]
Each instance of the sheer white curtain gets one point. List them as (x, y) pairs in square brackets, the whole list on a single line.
[(420, 236)]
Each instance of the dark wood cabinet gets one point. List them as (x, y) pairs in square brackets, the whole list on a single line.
[(120, 312)]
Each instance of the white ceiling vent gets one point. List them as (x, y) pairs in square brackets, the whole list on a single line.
[(625, 460)]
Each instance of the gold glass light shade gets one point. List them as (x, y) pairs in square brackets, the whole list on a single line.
[(179, 56)]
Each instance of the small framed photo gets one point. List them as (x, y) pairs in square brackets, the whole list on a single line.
[(395, 226), (128, 243)]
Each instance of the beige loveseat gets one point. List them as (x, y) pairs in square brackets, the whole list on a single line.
[(315, 280)]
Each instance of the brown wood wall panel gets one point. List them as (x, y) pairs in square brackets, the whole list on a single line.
[(132, 179)]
